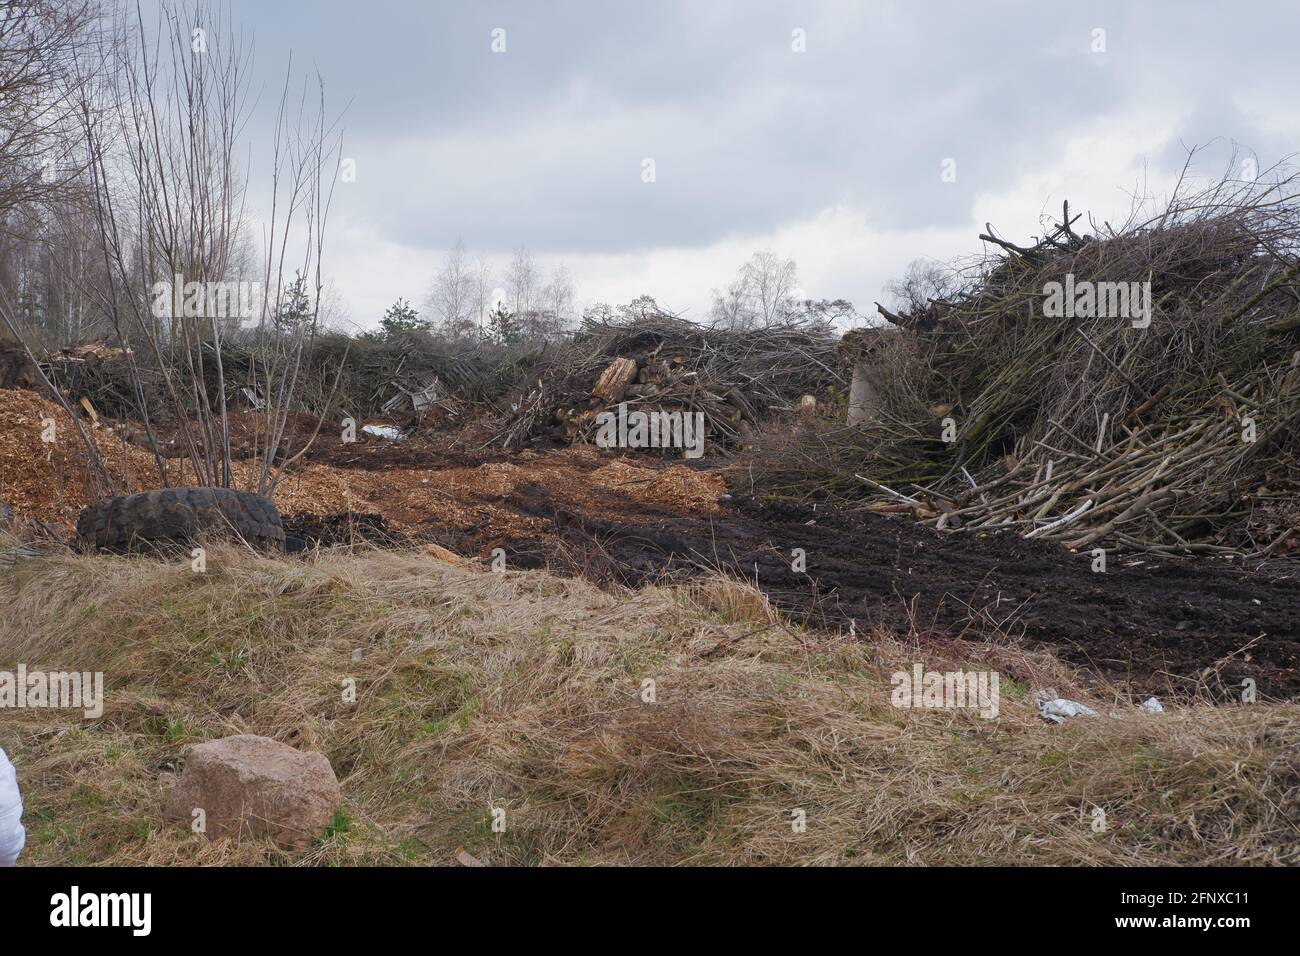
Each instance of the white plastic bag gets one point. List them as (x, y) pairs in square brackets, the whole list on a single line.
[(12, 835), (1057, 709)]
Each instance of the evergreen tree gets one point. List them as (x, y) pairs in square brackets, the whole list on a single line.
[(401, 319), (294, 309), (503, 327)]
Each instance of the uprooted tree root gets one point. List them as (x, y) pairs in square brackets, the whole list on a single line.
[(526, 692)]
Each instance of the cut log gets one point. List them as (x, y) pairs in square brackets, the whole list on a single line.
[(613, 382)]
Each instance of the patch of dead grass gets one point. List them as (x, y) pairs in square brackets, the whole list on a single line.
[(526, 692)]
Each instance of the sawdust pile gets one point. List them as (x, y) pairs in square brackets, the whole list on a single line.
[(43, 463), (49, 481), (496, 501)]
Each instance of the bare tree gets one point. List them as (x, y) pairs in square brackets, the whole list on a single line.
[(39, 167), (730, 308), (521, 281), (483, 290), (331, 314), (46, 274), (772, 281), (452, 297), (558, 296), (40, 41), (828, 312), (761, 295), (924, 280), (169, 200), (39, 44)]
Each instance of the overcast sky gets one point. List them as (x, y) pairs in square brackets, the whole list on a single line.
[(833, 156)]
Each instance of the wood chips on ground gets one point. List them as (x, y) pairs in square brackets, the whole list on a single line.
[(49, 481)]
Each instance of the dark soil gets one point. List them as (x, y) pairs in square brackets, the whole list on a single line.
[(307, 530), (419, 450), (1159, 626), (423, 448)]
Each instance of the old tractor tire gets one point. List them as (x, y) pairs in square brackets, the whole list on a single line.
[(175, 516)]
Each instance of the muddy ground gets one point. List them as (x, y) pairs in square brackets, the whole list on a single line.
[(1169, 627), (1163, 627)]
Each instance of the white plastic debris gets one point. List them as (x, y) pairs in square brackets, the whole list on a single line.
[(390, 432), (12, 834), (1152, 706), (1057, 709)]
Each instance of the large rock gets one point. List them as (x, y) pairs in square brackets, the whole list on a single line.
[(249, 785)]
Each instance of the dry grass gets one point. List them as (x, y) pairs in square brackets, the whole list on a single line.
[(524, 691)]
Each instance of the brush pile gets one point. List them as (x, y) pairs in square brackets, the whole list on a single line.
[(406, 373), (401, 375), (661, 362), (1172, 428)]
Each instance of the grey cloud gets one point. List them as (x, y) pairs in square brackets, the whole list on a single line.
[(544, 144)]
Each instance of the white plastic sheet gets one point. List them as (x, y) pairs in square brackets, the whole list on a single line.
[(1057, 709), (12, 834)]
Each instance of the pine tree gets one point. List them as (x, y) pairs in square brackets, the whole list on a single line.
[(503, 326), (295, 305), (401, 319)]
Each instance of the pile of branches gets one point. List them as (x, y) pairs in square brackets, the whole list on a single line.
[(1097, 430), (661, 362), (372, 372), (377, 370)]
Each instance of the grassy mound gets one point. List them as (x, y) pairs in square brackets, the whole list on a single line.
[(525, 692)]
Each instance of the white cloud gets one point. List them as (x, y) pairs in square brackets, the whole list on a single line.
[(841, 250), (829, 157)]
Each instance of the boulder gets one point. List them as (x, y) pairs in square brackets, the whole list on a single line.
[(256, 786)]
